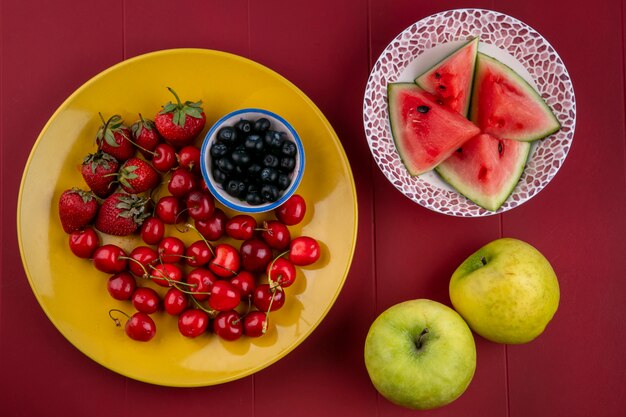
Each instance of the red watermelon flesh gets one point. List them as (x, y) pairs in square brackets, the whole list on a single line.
[(506, 106), (486, 169), (425, 132), (450, 80)]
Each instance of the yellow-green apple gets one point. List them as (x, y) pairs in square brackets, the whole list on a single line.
[(506, 291), (420, 354)]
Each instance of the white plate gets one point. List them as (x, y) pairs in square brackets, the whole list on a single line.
[(505, 38)]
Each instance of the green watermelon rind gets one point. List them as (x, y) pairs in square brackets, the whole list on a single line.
[(527, 87), (500, 199), (420, 80)]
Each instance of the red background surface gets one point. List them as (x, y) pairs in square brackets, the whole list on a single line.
[(326, 47)]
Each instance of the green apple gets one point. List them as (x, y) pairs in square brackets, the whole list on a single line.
[(420, 354), (507, 291)]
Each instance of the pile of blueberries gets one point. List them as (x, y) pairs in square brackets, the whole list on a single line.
[(253, 162)]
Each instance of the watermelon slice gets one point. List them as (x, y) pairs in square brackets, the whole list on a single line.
[(450, 80), (486, 169), (506, 106), (425, 132)]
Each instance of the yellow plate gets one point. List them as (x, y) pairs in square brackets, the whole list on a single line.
[(73, 294)]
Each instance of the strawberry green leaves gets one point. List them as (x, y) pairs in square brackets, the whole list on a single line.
[(181, 110)]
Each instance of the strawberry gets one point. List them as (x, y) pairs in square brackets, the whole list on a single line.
[(180, 123), (121, 214), (114, 138), (77, 208), (99, 171), (136, 176), (145, 136)]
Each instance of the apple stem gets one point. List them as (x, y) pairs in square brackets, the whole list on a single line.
[(483, 260), (419, 341)]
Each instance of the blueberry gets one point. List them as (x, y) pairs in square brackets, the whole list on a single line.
[(254, 170), (219, 176), (244, 126), (283, 181), (273, 139), (261, 125), (289, 148), (254, 199), (218, 149), (225, 165), (269, 193), (227, 135), (268, 175), (254, 143), (287, 164), (241, 157), (271, 161), (252, 188), (235, 188)]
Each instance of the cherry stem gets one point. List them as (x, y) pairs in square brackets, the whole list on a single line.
[(115, 319), (211, 312), (192, 227), (143, 267), (269, 276)]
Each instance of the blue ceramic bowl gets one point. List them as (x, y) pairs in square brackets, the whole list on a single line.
[(276, 123)]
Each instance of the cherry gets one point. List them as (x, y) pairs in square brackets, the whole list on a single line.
[(214, 227), (200, 281), (245, 282), (171, 250), (281, 271), (164, 274), (142, 258), (110, 259), (168, 209), (304, 250), (241, 227), (193, 322), (292, 211), (164, 157), (226, 262), (228, 326), (175, 301), (224, 296), (152, 230), (121, 286), (276, 234), (255, 255), (255, 324), (200, 205), (146, 300), (182, 182), (84, 242), (189, 158), (139, 326), (199, 253), (266, 298)]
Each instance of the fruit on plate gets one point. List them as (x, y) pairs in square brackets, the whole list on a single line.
[(136, 176), (450, 80), (507, 291), (114, 138), (99, 170), (486, 169), (424, 131), (179, 123), (76, 209), (420, 354), (506, 106), (121, 214)]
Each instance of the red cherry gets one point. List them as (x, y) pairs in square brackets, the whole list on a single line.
[(140, 327), (175, 301), (255, 255), (121, 286), (164, 157), (168, 209), (171, 250), (200, 281), (152, 230), (200, 205), (255, 324), (228, 326), (241, 227), (224, 296), (146, 300), (164, 274), (182, 182), (84, 242), (142, 259), (276, 235), (266, 298), (214, 227), (193, 322), (292, 211), (110, 259), (245, 282), (304, 250), (198, 254), (189, 158), (281, 271), (226, 262)]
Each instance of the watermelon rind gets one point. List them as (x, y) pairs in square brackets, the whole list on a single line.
[(462, 183), (551, 123), (426, 80)]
